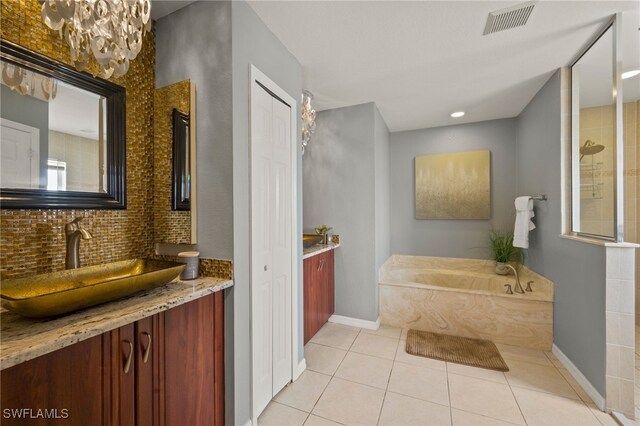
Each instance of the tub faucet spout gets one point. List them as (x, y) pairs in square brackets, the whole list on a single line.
[(518, 287)]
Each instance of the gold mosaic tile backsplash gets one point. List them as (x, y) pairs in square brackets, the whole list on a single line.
[(219, 268), (32, 241), (170, 226), (216, 268)]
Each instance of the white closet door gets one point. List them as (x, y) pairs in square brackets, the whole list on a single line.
[(20, 147), (281, 245), (261, 246), (271, 249)]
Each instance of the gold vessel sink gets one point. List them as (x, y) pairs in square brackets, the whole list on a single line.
[(66, 291), (310, 240)]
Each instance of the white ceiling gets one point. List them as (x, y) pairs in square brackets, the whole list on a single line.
[(594, 70), (74, 111), (420, 61), (160, 8)]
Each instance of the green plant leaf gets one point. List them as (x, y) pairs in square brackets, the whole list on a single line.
[(323, 229), (502, 246)]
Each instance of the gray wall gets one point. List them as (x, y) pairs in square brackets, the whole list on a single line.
[(451, 238), (254, 43), (195, 43), (29, 111), (382, 210), (339, 190), (577, 269)]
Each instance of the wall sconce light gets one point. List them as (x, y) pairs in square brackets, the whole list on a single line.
[(308, 119)]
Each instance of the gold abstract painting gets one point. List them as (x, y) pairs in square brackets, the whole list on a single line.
[(454, 186)]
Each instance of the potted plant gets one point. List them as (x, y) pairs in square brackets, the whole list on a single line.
[(503, 250), (324, 231)]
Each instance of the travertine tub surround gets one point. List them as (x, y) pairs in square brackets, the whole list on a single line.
[(464, 297)]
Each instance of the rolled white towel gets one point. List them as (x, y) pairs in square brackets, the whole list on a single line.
[(524, 213)]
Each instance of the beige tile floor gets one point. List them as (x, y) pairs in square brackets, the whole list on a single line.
[(364, 377)]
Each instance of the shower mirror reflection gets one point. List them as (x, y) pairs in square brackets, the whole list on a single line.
[(594, 140)]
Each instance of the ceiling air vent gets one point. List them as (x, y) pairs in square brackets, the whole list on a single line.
[(511, 17)]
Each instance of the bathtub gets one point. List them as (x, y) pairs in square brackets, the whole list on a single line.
[(465, 297)]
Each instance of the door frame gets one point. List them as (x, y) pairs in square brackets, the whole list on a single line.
[(256, 75)]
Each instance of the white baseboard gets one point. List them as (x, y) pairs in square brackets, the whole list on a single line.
[(355, 322), (622, 419), (582, 381), (302, 365)]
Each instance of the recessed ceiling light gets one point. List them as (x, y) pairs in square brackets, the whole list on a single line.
[(630, 74), (457, 114)]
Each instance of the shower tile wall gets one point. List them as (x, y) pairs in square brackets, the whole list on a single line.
[(597, 197), (630, 123), (596, 124), (632, 184)]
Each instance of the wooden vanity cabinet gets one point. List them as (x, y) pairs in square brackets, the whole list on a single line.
[(72, 384), (167, 369), (192, 367), (319, 292), (147, 363), (134, 364)]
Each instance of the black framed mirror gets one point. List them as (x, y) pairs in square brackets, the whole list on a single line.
[(63, 135), (181, 173)]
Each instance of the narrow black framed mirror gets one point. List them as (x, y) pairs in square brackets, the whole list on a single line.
[(63, 135), (181, 173), (174, 164)]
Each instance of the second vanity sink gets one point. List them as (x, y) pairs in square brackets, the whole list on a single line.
[(310, 240), (61, 292)]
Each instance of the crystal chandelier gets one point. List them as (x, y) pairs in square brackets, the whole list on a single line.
[(308, 119), (29, 83), (110, 30)]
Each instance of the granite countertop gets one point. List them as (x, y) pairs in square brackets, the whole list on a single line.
[(22, 339), (317, 249)]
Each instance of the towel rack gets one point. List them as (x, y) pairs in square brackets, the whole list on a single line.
[(542, 197)]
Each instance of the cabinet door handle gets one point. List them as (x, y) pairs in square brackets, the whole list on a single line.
[(147, 351), (320, 265), (127, 363)]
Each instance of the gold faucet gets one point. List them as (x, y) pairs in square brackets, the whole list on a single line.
[(73, 233), (518, 287)]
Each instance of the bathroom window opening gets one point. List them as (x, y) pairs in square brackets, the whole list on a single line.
[(596, 134), (56, 175)]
